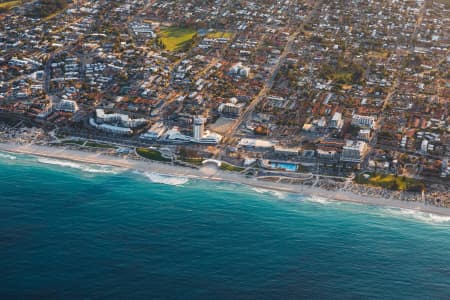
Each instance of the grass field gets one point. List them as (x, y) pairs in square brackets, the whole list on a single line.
[(398, 183), (220, 34), (228, 167), (193, 161), (151, 154), (176, 38), (8, 5)]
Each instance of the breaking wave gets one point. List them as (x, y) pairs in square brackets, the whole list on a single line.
[(426, 217), (320, 200), (165, 179), (7, 156), (80, 166), (278, 194)]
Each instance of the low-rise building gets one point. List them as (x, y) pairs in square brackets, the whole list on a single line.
[(363, 121), (336, 121), (353, 151), (67, 106)]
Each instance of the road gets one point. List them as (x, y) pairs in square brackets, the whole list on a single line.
[(270, 81)]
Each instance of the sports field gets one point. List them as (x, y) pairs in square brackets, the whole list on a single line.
[(176, 38)]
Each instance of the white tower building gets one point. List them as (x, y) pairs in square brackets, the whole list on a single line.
[(199, 128)]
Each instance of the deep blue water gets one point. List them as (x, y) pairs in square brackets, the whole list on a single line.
[(78, 231)]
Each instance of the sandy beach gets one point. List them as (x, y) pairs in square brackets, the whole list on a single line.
[(211, 173)]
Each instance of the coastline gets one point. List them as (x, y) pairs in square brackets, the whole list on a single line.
[(212, 174)]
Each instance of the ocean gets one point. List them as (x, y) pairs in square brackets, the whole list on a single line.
[(77, 231)]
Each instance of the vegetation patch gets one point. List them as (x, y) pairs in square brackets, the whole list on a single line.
[(343, 72), (151, 154), (228, 167), (177, 38), (74, 142), (392, 182), (47, 9), (193, 161), (381, 54), (220, 34), (5, 6), (99, 145), (190, 156)]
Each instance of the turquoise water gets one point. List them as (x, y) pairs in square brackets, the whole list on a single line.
[(75, 231)]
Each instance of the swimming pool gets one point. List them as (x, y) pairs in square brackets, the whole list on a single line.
[(285, 166)]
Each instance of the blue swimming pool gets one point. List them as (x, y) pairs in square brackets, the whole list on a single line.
[(285, 166)]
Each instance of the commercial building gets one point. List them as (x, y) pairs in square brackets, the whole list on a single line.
[(124, 120), (200, 135), (155, 132), (363, 121), (239, 70), (256, 144), (111, 128), (353, 151), (115, 123), (231, 109), (67, 106), (364, 135), (336, 121)]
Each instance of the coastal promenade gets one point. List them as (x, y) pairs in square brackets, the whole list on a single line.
[(211, 173)]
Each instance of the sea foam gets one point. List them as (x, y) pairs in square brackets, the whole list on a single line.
[(7, 156), (165, 179), (80, 166), (426, 217), (320, 200), (278, 194)]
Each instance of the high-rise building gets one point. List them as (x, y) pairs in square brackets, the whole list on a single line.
[(199, 128)]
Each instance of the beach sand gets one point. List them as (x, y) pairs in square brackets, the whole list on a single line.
[(212, 173)]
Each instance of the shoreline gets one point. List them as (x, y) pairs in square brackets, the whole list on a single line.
[(213, 174)]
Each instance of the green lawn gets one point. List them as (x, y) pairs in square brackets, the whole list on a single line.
[(151, 154), (228, 167), (398, 183), (194, 161), (176, 38)]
